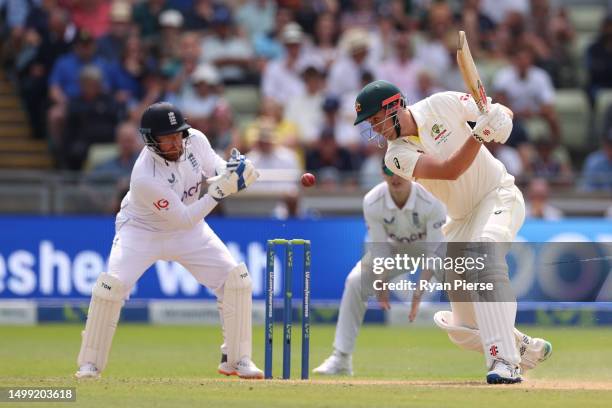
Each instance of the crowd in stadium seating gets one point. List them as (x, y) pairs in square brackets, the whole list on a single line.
[(87, 69)]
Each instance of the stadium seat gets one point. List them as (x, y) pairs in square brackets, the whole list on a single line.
[(243, 99), (99, 153), (602, 103), (574, 115)]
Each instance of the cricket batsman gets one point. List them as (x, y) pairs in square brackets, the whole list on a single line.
[(397, 212), (431, 141), (176, 181)]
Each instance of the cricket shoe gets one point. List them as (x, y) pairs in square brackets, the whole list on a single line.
[(87, 371), (533, 351), (336, 364), (503, 373), (245, 368)]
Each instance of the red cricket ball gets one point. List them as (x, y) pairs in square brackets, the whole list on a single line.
[(308, 179)]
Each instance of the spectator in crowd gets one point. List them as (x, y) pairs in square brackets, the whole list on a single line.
[(222, 132), (228, 51), (549, 163), (477, 25), (537, 205), (401, 69), (200, 15), (597, 171), (327, 153), (91, 15), (168, 45), (256, 17), (599, 60), (426, 85), (528, 91), (326, 35), (64, 82), (382, 39), (306, 110), (345, 73), (268, 154), (110, 45), (129, 72), (129, 144), (285, 132), (146, 16), (13, 24), (498, 10), (154, 85), (181, 69), (200, 105), (269, 45), (92, 117), (433, 51), (46, 38), (281, 79)]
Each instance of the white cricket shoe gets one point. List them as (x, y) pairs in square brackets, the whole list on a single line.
[(336, 364), (503, 373), (533, 351), (245, 368), (87, 371)]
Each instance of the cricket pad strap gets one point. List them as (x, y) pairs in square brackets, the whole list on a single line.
[(237, 306), (107, 298)]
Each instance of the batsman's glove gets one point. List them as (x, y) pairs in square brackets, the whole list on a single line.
[(494, 126)]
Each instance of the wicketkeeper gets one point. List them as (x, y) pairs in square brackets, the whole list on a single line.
[(177, 180)]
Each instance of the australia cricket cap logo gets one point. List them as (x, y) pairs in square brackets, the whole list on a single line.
[(357, 107)]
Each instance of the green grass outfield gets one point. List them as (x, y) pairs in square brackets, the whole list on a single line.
[(153, 366)]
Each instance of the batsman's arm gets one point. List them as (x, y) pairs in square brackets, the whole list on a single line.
[(430, 167)]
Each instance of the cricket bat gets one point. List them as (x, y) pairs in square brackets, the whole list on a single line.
[(470, 74)]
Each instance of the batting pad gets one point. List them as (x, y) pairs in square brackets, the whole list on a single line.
[(237, 304), (464, 337), (106, 301)]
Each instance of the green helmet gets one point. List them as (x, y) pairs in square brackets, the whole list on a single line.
[(374, 97)]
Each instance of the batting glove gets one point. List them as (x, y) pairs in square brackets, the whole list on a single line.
[(494, 126)]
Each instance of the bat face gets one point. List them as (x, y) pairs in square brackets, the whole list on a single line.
[(470, 74)]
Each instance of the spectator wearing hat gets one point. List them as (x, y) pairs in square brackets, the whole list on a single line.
[(64, 81), (537, 205), (597, 171), (167, 46), (92, 117), (228, 51), (200, 104), (345, 73), (306, 110), (281, 80), (110, 45)]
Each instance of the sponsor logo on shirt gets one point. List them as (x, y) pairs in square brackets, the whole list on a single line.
[(172, 179), (415, 236), (388, 221), (191, 191), (415, 219), (162, 204)]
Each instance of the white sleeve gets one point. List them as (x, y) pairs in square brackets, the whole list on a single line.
[(166, 203), (401, 158), (467, 105)]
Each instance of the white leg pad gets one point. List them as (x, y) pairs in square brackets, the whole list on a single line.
[(107, 299), (464, 337), (237, 306)]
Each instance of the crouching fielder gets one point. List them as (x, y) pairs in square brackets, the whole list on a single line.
[(432, 142), (161, 218), (398, 214)]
